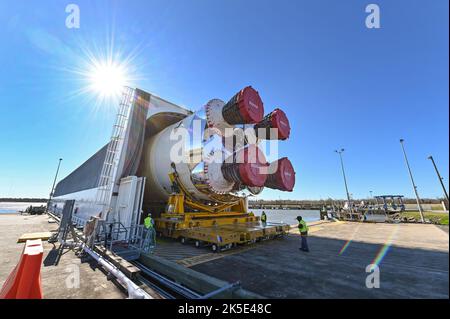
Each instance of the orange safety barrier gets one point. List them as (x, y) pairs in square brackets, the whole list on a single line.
[(24, 282)]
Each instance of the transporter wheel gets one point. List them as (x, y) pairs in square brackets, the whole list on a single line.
[(183, 240), (198, 243), (215, 248)]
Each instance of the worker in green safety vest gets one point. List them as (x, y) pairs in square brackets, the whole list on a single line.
[(264, 219), (303, 228), (151, 233), (148, 221)]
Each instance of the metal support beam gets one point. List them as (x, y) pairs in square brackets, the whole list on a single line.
[(345, 179), (412, 181), (54, 182), (441, 179)]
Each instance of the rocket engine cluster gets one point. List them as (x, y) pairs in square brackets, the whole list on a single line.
[(216, 152)]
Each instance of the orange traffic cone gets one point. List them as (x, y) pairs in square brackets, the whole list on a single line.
[(24, 282)]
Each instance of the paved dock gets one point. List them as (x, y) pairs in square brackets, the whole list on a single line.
[(58, 282), (413, 260)]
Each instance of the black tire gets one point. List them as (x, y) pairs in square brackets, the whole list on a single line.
[(198, 244), (183, 240), (215, 248)]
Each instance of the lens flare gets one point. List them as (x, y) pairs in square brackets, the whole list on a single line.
[(101, 71), (344, 248), (384, 249), (347, 244)]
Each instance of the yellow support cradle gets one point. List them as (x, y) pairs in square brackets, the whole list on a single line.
[(220, 226)]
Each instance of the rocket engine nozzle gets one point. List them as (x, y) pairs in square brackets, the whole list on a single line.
[(283, 178), (245, 107), (274, 120), (229, 165), (248, 168)]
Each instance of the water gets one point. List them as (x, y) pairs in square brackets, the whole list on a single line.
[(288, 216), (273, 215), (14, 207)]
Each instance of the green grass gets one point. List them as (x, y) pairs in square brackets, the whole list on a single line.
[(437, 218)]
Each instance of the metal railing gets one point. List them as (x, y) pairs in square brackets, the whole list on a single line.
[(79, 222), (132, 240)]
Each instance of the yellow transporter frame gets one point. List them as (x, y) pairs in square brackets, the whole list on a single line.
[(220, 226)]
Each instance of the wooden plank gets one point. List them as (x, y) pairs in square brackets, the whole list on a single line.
[(32, 236), (127, 268)]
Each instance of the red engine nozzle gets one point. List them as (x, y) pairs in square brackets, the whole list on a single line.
[(282, 175), (246, 107), (249, 167), (276, 120)]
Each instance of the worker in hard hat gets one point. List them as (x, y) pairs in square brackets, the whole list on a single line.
[(264, 219), (303, 228)]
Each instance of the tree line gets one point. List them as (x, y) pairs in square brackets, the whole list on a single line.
[(24, 200)]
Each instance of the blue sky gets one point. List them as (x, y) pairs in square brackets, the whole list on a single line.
[(341, 84)]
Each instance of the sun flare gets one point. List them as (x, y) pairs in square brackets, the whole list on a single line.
[(107, 79), (101, 72)]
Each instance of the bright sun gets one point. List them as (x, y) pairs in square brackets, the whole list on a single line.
[(103, 74), (107, 79)]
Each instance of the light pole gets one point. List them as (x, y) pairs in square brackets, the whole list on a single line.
[(54, 182), (371, 196), (345, 179), (441, 179), (412, 181)]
